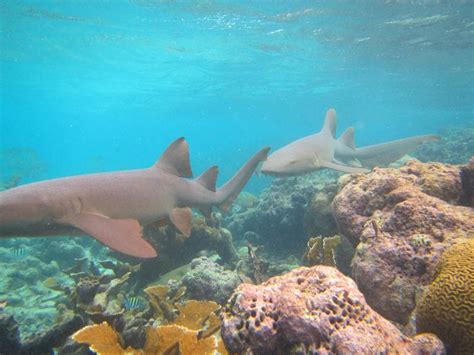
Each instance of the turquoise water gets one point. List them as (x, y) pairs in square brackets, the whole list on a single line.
[(105, 85), (102, 85)]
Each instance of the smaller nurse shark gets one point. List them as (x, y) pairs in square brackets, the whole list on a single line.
[(323, 150), (114, 207)]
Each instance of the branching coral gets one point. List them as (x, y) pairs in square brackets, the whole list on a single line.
[(164, 339), (191, 333), (102, 339), (447, 306), (162, 303)]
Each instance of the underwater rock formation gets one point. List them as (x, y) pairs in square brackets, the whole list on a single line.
[(467, 183), (446, 308), (209, 281), (176, 250), (456, 146), (22, 278), (287, 213), (9, 335), (402, 220), (41, 343), (311, 310)]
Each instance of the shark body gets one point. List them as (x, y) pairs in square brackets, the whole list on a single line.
[(113, 207), (323, 150)]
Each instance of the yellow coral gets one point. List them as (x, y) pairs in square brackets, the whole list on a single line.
[(162, 305), (163, 339), (446, 308), (193, 314), (102, 339), (321, 250)]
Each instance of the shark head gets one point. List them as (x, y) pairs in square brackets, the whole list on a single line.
[(291, 160)]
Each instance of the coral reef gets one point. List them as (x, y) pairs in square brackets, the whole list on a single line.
[(209, 281), (191, 332), (286, 213), (401, 221), (41, 343), (321, 251), (456, 146), (312, 310), (102, 339), (9, 335), (467, 183), (22, 277), (176, 250), (446, 308)]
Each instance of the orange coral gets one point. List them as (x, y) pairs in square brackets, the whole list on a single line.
[(102, 339), (163, 339), (193, 314), (162, 305)]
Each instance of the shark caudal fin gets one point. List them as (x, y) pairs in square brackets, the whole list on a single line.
[(229, 192), (385, 153)]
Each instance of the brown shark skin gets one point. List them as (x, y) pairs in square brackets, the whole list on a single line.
[(48, 208)]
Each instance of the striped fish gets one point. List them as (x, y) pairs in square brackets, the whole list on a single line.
[(131, 303), (19, 252)]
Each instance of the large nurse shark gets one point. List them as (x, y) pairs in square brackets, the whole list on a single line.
[(323, 150), (114, 207)]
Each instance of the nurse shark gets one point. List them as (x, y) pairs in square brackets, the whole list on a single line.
[(323, 150), (114, 207)]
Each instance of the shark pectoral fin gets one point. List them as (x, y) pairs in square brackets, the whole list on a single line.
[(123, 235), (182, 220), (343, 168)]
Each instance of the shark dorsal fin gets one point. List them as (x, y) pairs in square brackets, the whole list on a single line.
[(208, 178), (330, 123), (175, 159), (347, 138)]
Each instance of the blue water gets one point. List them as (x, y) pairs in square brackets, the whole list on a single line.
[(105, 85)]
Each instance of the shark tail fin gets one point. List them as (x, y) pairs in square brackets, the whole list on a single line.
[(330, 123), (208, 178), (229, 192), (385, 153), (347, 138), (175, 159)]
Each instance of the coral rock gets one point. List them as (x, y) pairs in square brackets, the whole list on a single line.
[(447, 305), (402, 220), (209, 281), (314, 309)]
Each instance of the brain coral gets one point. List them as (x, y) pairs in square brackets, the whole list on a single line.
[(447, 306)]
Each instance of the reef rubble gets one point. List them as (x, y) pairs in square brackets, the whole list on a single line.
[(401, 220), (312, 310)]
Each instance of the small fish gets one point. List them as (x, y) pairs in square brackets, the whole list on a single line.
[(131, 303), (19, 252)]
